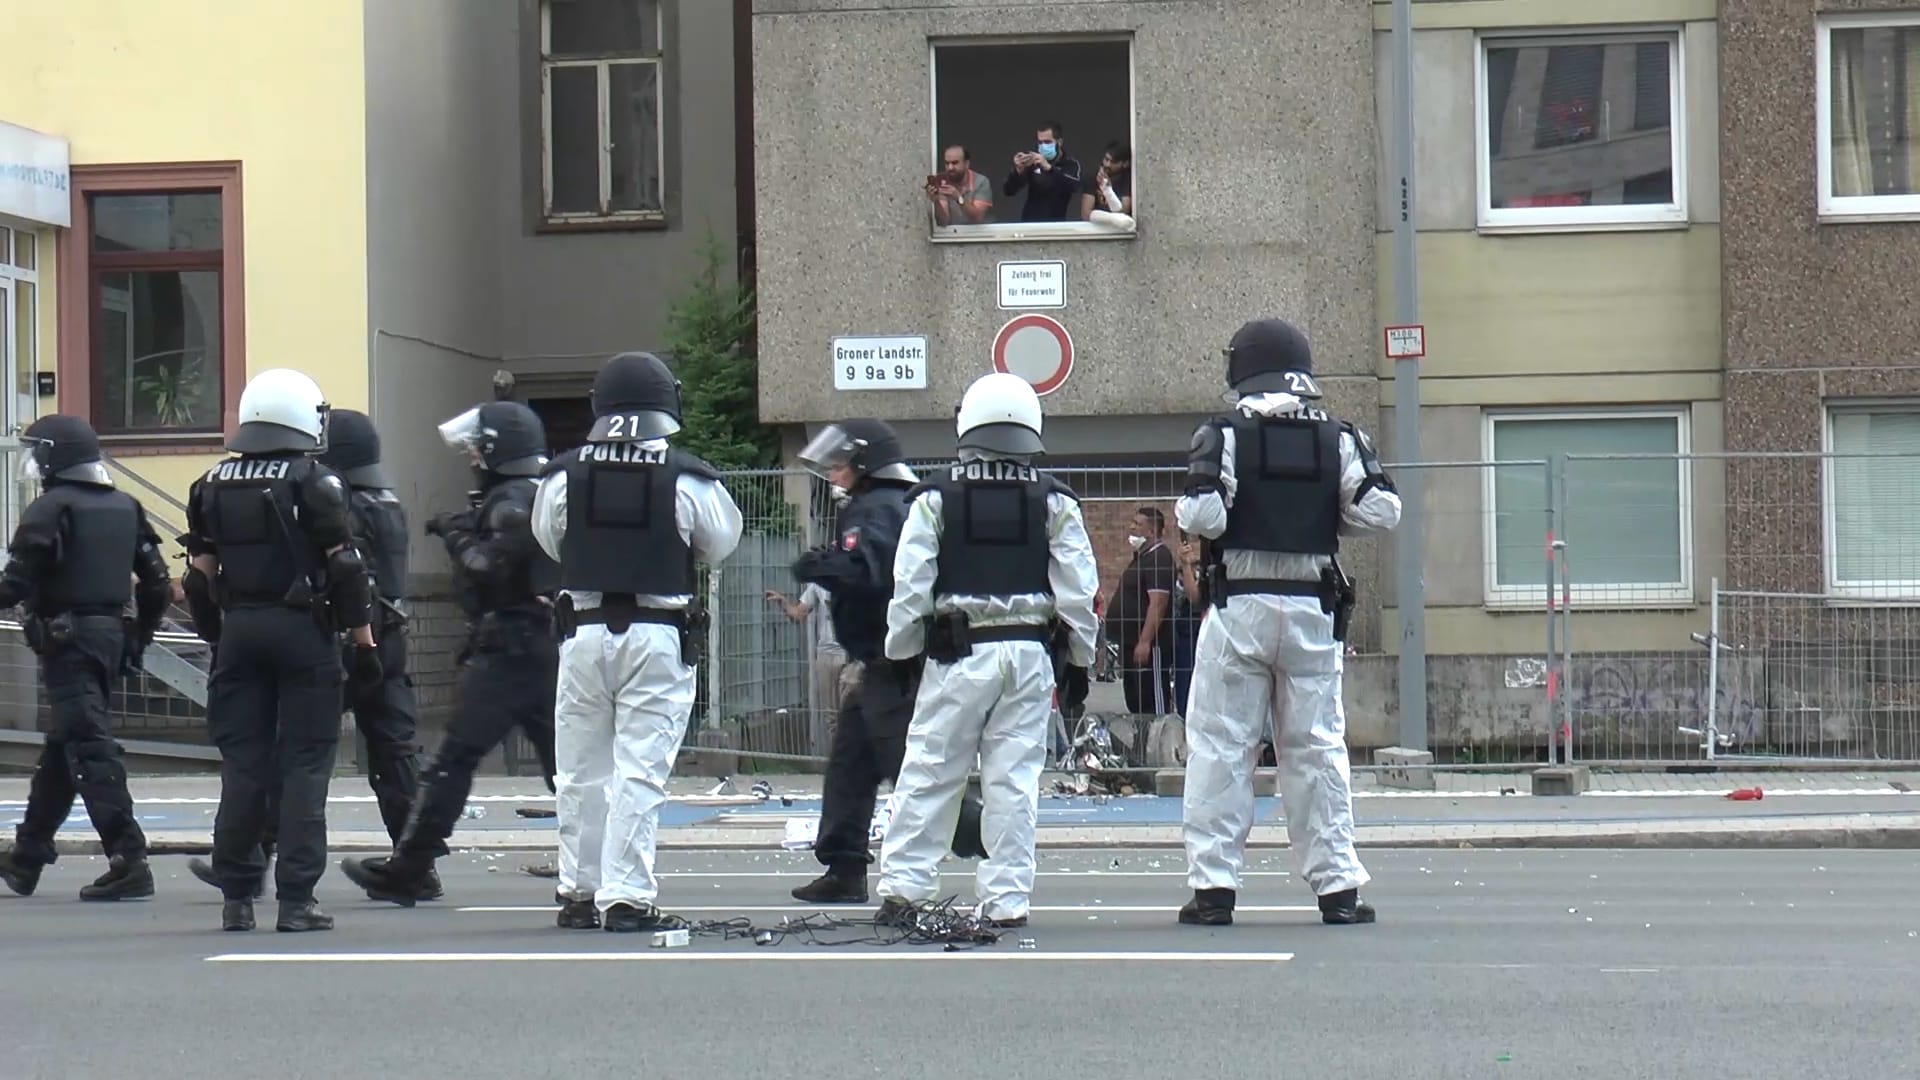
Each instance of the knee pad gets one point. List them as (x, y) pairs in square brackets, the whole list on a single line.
[(96, 762)]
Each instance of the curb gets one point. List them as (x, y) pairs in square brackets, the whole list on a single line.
[(1864, 833)]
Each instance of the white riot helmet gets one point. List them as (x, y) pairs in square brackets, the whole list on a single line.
[(281, 410), (1000, 414)]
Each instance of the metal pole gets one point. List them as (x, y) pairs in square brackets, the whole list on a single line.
[(1554, 687), (1410, 549), (1713, 671)]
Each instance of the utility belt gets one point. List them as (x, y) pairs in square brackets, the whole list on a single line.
[(44, 632), (618, 612), (951, 636), (1334, 590), (301, 597)]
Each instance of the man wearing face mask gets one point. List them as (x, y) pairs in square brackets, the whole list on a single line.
[(1050, 178), (1137, 615)]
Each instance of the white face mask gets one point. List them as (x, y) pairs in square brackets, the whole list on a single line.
[(840, 494), (1137, 542)]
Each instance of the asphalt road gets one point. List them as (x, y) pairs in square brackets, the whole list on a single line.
[(1749, 964)]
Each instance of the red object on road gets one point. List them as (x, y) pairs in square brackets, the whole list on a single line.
[(1746, 794)]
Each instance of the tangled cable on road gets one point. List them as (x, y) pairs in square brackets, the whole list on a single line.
[(932, 923)]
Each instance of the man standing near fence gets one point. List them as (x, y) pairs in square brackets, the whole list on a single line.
[(627, 517), (992, 553), (1272, 487)]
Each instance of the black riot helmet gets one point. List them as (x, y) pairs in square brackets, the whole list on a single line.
[(1268, 356), (63, 447), (508, 436), (353, 449), (868, 447), (635, 397)]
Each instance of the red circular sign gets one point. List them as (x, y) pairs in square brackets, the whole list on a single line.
[(1036, 348)]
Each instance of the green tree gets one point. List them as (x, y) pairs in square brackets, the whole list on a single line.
[(708, 335)]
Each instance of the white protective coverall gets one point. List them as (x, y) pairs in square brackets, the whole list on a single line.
[(996, 702), (1262, 654), (622, 707)]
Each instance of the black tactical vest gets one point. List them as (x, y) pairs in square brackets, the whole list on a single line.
[(380, 532), (623, 531), (100, 528), (1287, 469), (993, 528), (249, 506), (516, 588)]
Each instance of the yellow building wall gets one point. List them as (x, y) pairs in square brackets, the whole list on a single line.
[(279, 87)]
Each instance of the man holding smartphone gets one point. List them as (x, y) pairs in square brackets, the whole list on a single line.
[(959, 195), (1050, 178)]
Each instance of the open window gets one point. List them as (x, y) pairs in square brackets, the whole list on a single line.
[(995, 98)]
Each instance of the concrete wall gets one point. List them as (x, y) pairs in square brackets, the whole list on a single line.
[(1252, 197), (279, 90), (1817, 308)]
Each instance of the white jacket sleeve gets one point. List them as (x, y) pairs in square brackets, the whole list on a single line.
[(916, 565), (1075, 578), (550, 513), (1376, 510), (1205, 515), (710, 517)]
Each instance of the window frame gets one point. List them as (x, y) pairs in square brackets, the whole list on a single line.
[(606, 218), (1673, 215), (1003, 232), (78, 393), (1645, 595), (1829, 206), (1890, 593)]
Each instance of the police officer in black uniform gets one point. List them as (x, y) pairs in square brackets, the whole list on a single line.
[(508, 665), (71, 557), (863, 458), (384, 711), (271, 542)]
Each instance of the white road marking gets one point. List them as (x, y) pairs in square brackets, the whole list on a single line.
[(1629, 971), (811, 874), (829, 909), (756, 957)]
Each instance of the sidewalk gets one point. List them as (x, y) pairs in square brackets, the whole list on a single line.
[(1833, 809)]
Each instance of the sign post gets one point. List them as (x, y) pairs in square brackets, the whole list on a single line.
[(1036, 348)]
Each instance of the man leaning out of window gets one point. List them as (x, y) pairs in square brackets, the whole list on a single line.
[(959, 195), (1107, 196)]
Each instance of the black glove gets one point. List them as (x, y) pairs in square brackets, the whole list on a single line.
[(364, 666), (449, 521), (1073, 692)]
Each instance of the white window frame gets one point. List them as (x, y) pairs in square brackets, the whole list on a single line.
[(1664, 594), (604, 66), (1891, 593), (1848, 206), (1582, 218), (1011, 231)]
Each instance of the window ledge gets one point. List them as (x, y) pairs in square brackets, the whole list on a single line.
[(1535, 228), (1867, 217), (1907, 597), (1009, 231), (159, 445), (1537, 605), (619, 223)]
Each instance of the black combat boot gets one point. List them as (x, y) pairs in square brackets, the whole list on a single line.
[(1209, 907), (839, 885), (21, 877), (127, 878), (1345, 908), (297, 916), (236, 915), (203, 870), (630, 917), (578, 915), (894, 912), (395, 879)]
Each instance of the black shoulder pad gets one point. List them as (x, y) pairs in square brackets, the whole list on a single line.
[(323, 490), (931, 483), (559, 462), (1057, 486), (1362, 444), (513, 508), (693, 465)]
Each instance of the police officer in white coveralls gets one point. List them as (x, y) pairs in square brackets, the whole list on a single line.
[(627, 518), (992, 553), (1272, 487)]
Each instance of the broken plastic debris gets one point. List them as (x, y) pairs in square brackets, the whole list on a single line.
[(471, 811), (724, 787), (1027, 943), (762, 789), (1746, 794)]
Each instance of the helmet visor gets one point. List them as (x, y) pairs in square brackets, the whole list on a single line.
[(829, 450), (27, 465), (463, 432)]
